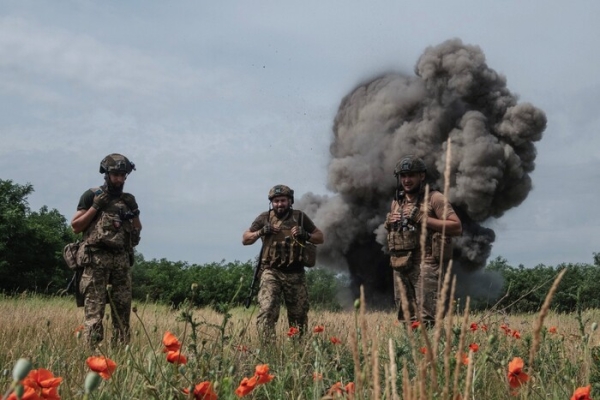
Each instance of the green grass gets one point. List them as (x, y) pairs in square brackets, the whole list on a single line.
[(383, 358)]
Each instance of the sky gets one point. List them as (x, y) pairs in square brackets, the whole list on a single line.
[(216, 102)]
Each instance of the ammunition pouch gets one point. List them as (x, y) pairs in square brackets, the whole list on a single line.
[(309, 255), (438, 253), (403, 240), (400, 259), (70, 254)]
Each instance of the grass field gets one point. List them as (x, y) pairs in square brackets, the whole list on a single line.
[(370, 354)]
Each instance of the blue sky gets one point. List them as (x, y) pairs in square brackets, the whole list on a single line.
[(216, 102)]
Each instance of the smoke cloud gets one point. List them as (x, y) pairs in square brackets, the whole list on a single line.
[(454, 95)]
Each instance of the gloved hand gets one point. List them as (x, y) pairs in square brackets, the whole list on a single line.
[(129, 200), (266, 230), (302, 234), (101, 200)]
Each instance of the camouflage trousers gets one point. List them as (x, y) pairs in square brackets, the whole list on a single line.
[(106, 268), (275, 284), (421, 286)]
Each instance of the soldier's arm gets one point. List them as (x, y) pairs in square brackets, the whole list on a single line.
[(316, 236), (82, 219), (137, 224), (250, 237), (452, 224)]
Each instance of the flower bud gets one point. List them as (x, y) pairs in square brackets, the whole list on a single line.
[(594, 326), (21, 369), (92, 380), (357, 304), (19, 390)]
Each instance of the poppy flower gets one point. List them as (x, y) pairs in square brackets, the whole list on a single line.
[(40, 384), (350, 388), (170, 342), (506, 329), (336, 388), (203, 391), (246, 386), (293, 331), (483, 328), (242, 348), (423, 350), (465, 359), (175, 357), (415, 325), (102, 365), (516, 376), (318, 329), (552, 329), (516, 334), (474, 347), (262, 374), (582, 393), (474, 327), (335, 340), (317, 376)]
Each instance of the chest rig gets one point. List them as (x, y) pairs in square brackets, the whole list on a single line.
[(111, 229), (281, 249)]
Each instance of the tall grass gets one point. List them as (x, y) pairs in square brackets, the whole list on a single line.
[(383, 358)]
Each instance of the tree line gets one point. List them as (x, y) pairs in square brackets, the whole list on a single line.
[(31, 244)]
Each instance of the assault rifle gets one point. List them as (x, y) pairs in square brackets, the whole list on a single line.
[(73, 287), (255, 278)]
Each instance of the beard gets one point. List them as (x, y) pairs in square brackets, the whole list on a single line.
[(280, 213), (112, 189)]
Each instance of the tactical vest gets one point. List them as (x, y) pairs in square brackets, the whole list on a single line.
[(281, 249), (109, 231)]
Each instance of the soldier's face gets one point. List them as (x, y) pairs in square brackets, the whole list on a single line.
[(117, 179), (411, 181), (281, 205)]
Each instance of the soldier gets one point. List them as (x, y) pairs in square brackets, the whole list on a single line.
[(284, 233), (109, 220), (418, 272)]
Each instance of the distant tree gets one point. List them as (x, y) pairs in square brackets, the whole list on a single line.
[(31, 243)]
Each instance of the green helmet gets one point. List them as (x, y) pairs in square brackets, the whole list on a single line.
[(281, 190), (410, 164), (116, 163)]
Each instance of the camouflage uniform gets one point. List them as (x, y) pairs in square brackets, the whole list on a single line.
[(282, 273)]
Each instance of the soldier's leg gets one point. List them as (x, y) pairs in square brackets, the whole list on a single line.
[(295, 295), (120, 297), (269, 302), (93, 288), (430, 273), (408, 277)]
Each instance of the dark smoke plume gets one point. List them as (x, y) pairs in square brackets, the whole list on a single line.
[(454, 95)]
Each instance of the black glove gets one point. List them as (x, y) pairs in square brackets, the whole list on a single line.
[(302, 234), (266, 230), (101, 200), (129, 200)]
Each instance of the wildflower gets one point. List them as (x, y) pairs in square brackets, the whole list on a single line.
[(317, 376), (242, 348), (203, 391), (21, 369), (338, 390), (293, 331), (415, 325), (175, 357), (423, 350), (582, 393), (102, 365), (318, 329), (474, 327), (506, 329), (79, 329), (465, 358), (170, 342), (246, 386), (483, 327), (350, 388), (92, 380), (516, 334), (335, 340), (27, 393), (552, 329), (262, 374), (474, 347), (40, 384), (516, 376)]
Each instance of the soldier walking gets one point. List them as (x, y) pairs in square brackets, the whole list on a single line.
[(109, 220), (284, 232)]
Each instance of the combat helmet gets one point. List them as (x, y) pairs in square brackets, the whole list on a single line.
[(281, 190), (410, 163), (116, 163)]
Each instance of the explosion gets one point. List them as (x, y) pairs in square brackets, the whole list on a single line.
[(454, 96)]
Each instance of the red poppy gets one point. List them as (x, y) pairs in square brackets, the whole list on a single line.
[(40, 384), (516, 334), (246, 386), (317, 376), (506, 329), (175, 357), (465, 358), (170, 342), (552, 329), (474, 327), (582, 393), (516, 376), (474, 347), (102, 365), (336, 388), (423, 350), (318, 329), (262, 374), (350, 388), (203, 391), (415, 325), (335, 340), (483, 328), (293, 331)]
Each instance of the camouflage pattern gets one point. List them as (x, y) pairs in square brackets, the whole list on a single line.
[(109, 230), (412, 281), (116, 163), (275, 283), (104, 268), (281, 190)]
